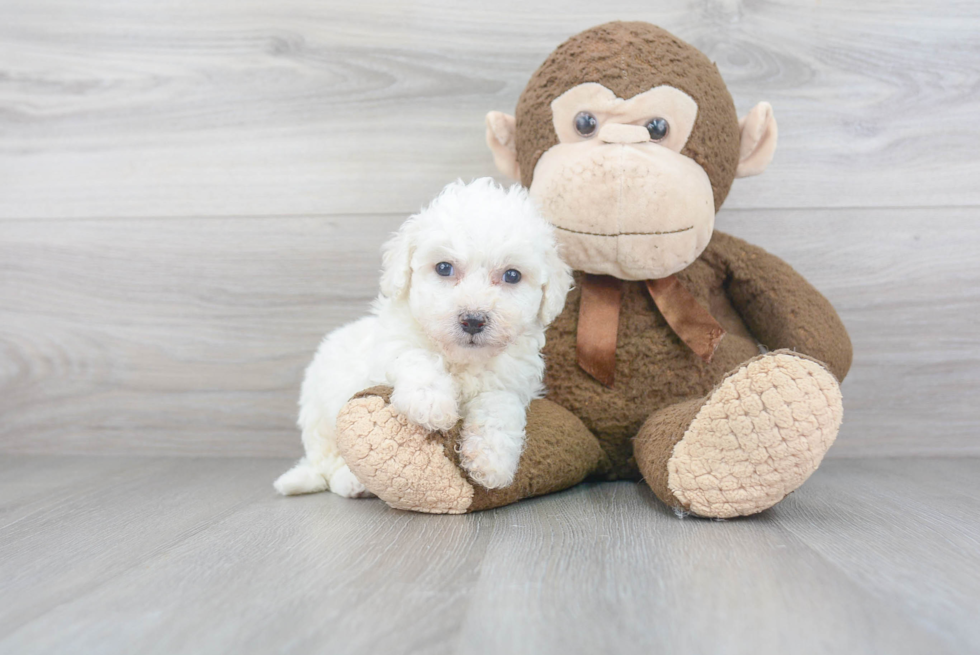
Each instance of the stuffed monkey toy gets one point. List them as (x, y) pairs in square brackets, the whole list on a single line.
[(685, 357)]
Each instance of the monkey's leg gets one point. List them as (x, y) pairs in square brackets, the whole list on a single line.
[(413, 469), (746, 445)]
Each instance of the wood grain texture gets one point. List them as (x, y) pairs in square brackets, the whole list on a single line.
[(176, 336), (229, 108), (192, 194), (199, 556), (907, 285), (190, 336)]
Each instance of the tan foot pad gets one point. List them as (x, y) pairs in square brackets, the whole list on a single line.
[(398, 461), (759, 436)]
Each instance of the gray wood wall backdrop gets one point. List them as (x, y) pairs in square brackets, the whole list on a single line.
[(191, 194)]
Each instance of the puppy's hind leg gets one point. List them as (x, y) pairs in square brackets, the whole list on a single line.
[(312, 473), (321, 469), (303, 478), (344, 483)]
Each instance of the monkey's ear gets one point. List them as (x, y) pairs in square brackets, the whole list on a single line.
[(758, 129), (501, 133)]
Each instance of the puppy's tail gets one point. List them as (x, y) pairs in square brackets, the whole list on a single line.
[(303, 478)]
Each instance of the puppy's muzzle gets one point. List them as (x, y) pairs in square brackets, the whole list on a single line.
[(473, 323)]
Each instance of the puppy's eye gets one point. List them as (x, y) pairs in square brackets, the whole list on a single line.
[(444, 269), (512, 276), (658, 128), (585, 123)]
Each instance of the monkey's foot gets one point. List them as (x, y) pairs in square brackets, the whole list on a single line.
[(401, 463), (757, 437)]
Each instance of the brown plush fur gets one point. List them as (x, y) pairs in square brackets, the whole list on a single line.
[(586, 429), (655, 442), (747, 290), (627, 59), (560, 452)]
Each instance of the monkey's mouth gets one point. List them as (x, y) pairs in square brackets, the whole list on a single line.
[(625, 234)]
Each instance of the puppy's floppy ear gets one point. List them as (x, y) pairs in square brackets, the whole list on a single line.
[(396, 261), (556, 285)]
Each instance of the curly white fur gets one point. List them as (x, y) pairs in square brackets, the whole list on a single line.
[(415, 340)]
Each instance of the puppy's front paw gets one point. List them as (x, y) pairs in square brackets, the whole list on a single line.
[(491, 458), (432, 409)]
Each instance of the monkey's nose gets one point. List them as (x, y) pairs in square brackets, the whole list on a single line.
[(473, 323), (621, 133)]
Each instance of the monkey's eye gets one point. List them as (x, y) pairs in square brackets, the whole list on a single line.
[(444, 269), (512, 276), (585, 123), (658, 128)]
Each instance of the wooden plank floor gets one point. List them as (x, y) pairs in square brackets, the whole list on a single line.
[(178, 555)]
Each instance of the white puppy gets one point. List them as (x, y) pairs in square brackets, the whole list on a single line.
[(468, 287)]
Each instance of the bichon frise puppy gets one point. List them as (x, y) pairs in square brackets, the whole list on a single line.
[(468, 287)]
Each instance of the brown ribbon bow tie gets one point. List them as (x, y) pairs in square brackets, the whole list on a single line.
[(598, 322)]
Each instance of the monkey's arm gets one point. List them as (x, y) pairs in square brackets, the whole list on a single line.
[(779, 306)]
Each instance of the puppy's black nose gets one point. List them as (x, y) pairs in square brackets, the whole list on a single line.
[(473, 323)]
